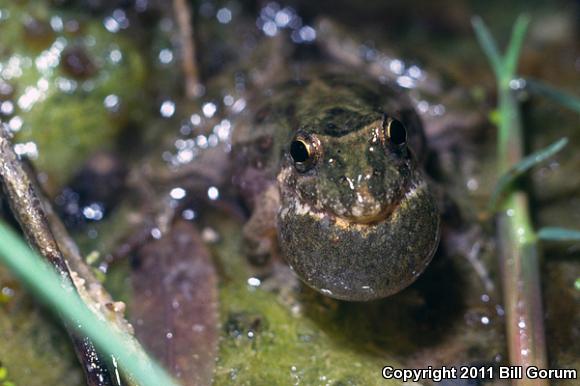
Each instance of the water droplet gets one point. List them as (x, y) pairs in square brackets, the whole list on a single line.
[(93, 212), (188, 214), (111, 24), (7, 292), (224, 15), (29, 98), (415, 72), (423, 106), (228, 100), (405, 81), (213, 193), (472, 184), (307, 33), (167, 109), (212, 140), (112, 102), (517, 84), (116, 55), (7, 107), (177, 193), (15, 124), (66, 85), (270, 28), (156, 233), (223, 129), (56, 23), (239, 105), (166, 56), (195, 119), (209, 109), (499, 310), (396, 66), (524, 352)]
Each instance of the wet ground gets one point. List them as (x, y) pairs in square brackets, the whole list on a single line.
[(93, 91)]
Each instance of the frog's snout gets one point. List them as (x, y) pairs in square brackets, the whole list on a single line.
[(365, 207)]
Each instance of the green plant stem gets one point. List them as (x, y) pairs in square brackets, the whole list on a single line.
[(517, 241), (518, 253), (45, 283), (518, 250), (519, 265)]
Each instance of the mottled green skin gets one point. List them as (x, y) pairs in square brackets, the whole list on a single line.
[(362, 223)]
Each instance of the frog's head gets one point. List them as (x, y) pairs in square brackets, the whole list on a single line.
[(357, 220)]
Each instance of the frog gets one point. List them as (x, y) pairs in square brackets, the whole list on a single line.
[(328, 159), (331, 165)]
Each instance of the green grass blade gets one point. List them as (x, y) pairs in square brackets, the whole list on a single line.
[(558, 234), (515, 46), (488, 45), (523, 166), (45, 284), (542, 89)]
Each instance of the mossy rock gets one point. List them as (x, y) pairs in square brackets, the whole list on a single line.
[(60, 86)]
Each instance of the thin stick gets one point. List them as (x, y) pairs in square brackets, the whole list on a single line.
[(188, 53), (27, 210), (90, 289)]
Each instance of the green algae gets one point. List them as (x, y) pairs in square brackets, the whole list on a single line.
[(66, 116), (34, 350), (267, 341)]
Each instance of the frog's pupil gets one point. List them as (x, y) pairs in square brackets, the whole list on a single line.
[(299, 151), (397, 133)]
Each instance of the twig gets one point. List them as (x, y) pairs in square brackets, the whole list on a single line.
[(183, 16), (518, 251), (88, 286), (27, 210)]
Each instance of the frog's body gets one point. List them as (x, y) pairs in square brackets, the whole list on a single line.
[(353, 213)]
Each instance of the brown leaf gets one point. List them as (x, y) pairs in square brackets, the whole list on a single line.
[(175, 304)]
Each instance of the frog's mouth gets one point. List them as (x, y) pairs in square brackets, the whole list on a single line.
[(368, 212), (387, 214)]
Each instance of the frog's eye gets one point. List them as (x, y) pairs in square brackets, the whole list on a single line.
[(395, 132), (304, 150)]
